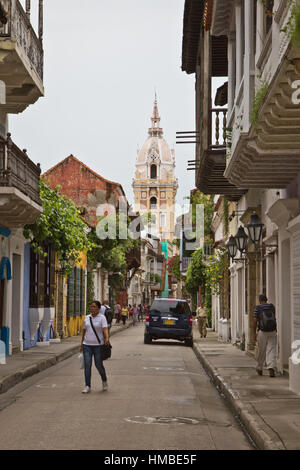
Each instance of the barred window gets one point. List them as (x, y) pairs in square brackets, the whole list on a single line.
[(76, 293)]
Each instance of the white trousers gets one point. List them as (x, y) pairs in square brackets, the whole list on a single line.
[(267, 349)]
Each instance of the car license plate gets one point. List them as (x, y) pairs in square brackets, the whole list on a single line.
[(169, 322)]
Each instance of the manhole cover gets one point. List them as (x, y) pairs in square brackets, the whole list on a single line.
[(169, 420), (162, 420)]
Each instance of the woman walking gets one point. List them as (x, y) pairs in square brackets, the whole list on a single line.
[(124, 314), (90, 345)]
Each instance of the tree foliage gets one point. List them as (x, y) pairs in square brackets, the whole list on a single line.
[(207, 201), (195, 275), (60, 226), (112, 251), (215, 271)]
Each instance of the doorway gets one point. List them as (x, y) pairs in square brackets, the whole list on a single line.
[(16, 293)]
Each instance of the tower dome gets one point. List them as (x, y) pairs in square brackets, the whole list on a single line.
[(155, 149), (155, 185)]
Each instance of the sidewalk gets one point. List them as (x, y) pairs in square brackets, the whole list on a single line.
[(22, 365), (268, 410)]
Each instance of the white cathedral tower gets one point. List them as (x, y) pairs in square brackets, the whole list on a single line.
[(155, 186)]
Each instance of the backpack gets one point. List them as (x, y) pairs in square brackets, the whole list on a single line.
[(267, 321), (109, 314)]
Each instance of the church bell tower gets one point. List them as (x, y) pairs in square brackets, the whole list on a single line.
[(155, 186)]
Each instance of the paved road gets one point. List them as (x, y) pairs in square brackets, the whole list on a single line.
[(159, 398)]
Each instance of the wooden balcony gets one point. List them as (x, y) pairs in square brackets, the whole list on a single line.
[(211, 165), (20, 202), (21, 57), (268, 155), (133, 259)]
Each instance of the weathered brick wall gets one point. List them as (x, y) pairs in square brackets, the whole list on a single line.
[(83, 186)]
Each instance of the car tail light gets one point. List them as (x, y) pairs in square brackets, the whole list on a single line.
[(191, 320)]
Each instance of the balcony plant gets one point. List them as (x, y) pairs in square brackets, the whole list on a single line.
[(258, 100), (292, 27)]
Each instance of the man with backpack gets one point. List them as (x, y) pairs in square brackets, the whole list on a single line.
[(265, 323), (108, 312)]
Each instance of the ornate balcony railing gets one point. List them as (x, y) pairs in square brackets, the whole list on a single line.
[(218, 132), (18, 171), (15, 24)]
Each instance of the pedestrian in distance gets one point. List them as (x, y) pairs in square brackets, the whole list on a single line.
[(135, 313), (141, 311), (90, 345), (124, 314), (202, 320), (265, 332), (118, 313), (130, 311), (146, 309)]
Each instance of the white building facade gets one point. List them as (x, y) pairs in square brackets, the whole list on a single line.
[(264, 158), (255, 46)]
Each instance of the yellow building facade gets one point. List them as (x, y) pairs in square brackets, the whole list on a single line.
[(71, 295), (155, 186)]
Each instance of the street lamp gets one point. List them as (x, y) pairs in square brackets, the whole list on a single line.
[(231, 247), (255, 228), (241, 239)]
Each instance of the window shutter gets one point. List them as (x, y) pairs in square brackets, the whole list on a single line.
[(82, 292), (70, 295), (52, 277), (41, 281), (34, 270), (77, 292), (47, 265)]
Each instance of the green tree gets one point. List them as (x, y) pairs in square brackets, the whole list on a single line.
[(195, 275), (112, 251), (207, 200), (60, 226)]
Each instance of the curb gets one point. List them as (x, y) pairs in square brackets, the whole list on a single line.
[(262, 435), (15, 378)]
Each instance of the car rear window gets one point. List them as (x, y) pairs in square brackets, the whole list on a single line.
[(169, 306)]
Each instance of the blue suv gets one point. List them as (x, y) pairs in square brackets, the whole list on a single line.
[(169, 319)]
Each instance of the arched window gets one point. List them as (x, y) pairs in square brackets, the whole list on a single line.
[(153, 172), (153, 203)]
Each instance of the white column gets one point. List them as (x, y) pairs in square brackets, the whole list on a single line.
[(248, 64), (231, 71), (260, 29), (239, 45)]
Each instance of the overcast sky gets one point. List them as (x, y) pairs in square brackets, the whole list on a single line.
[(103, 61)]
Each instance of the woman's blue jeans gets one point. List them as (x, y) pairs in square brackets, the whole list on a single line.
[(88, 353)]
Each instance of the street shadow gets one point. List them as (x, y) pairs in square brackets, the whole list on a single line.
[(168, 343)]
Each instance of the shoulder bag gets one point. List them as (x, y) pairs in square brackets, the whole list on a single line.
[(105, 348)]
